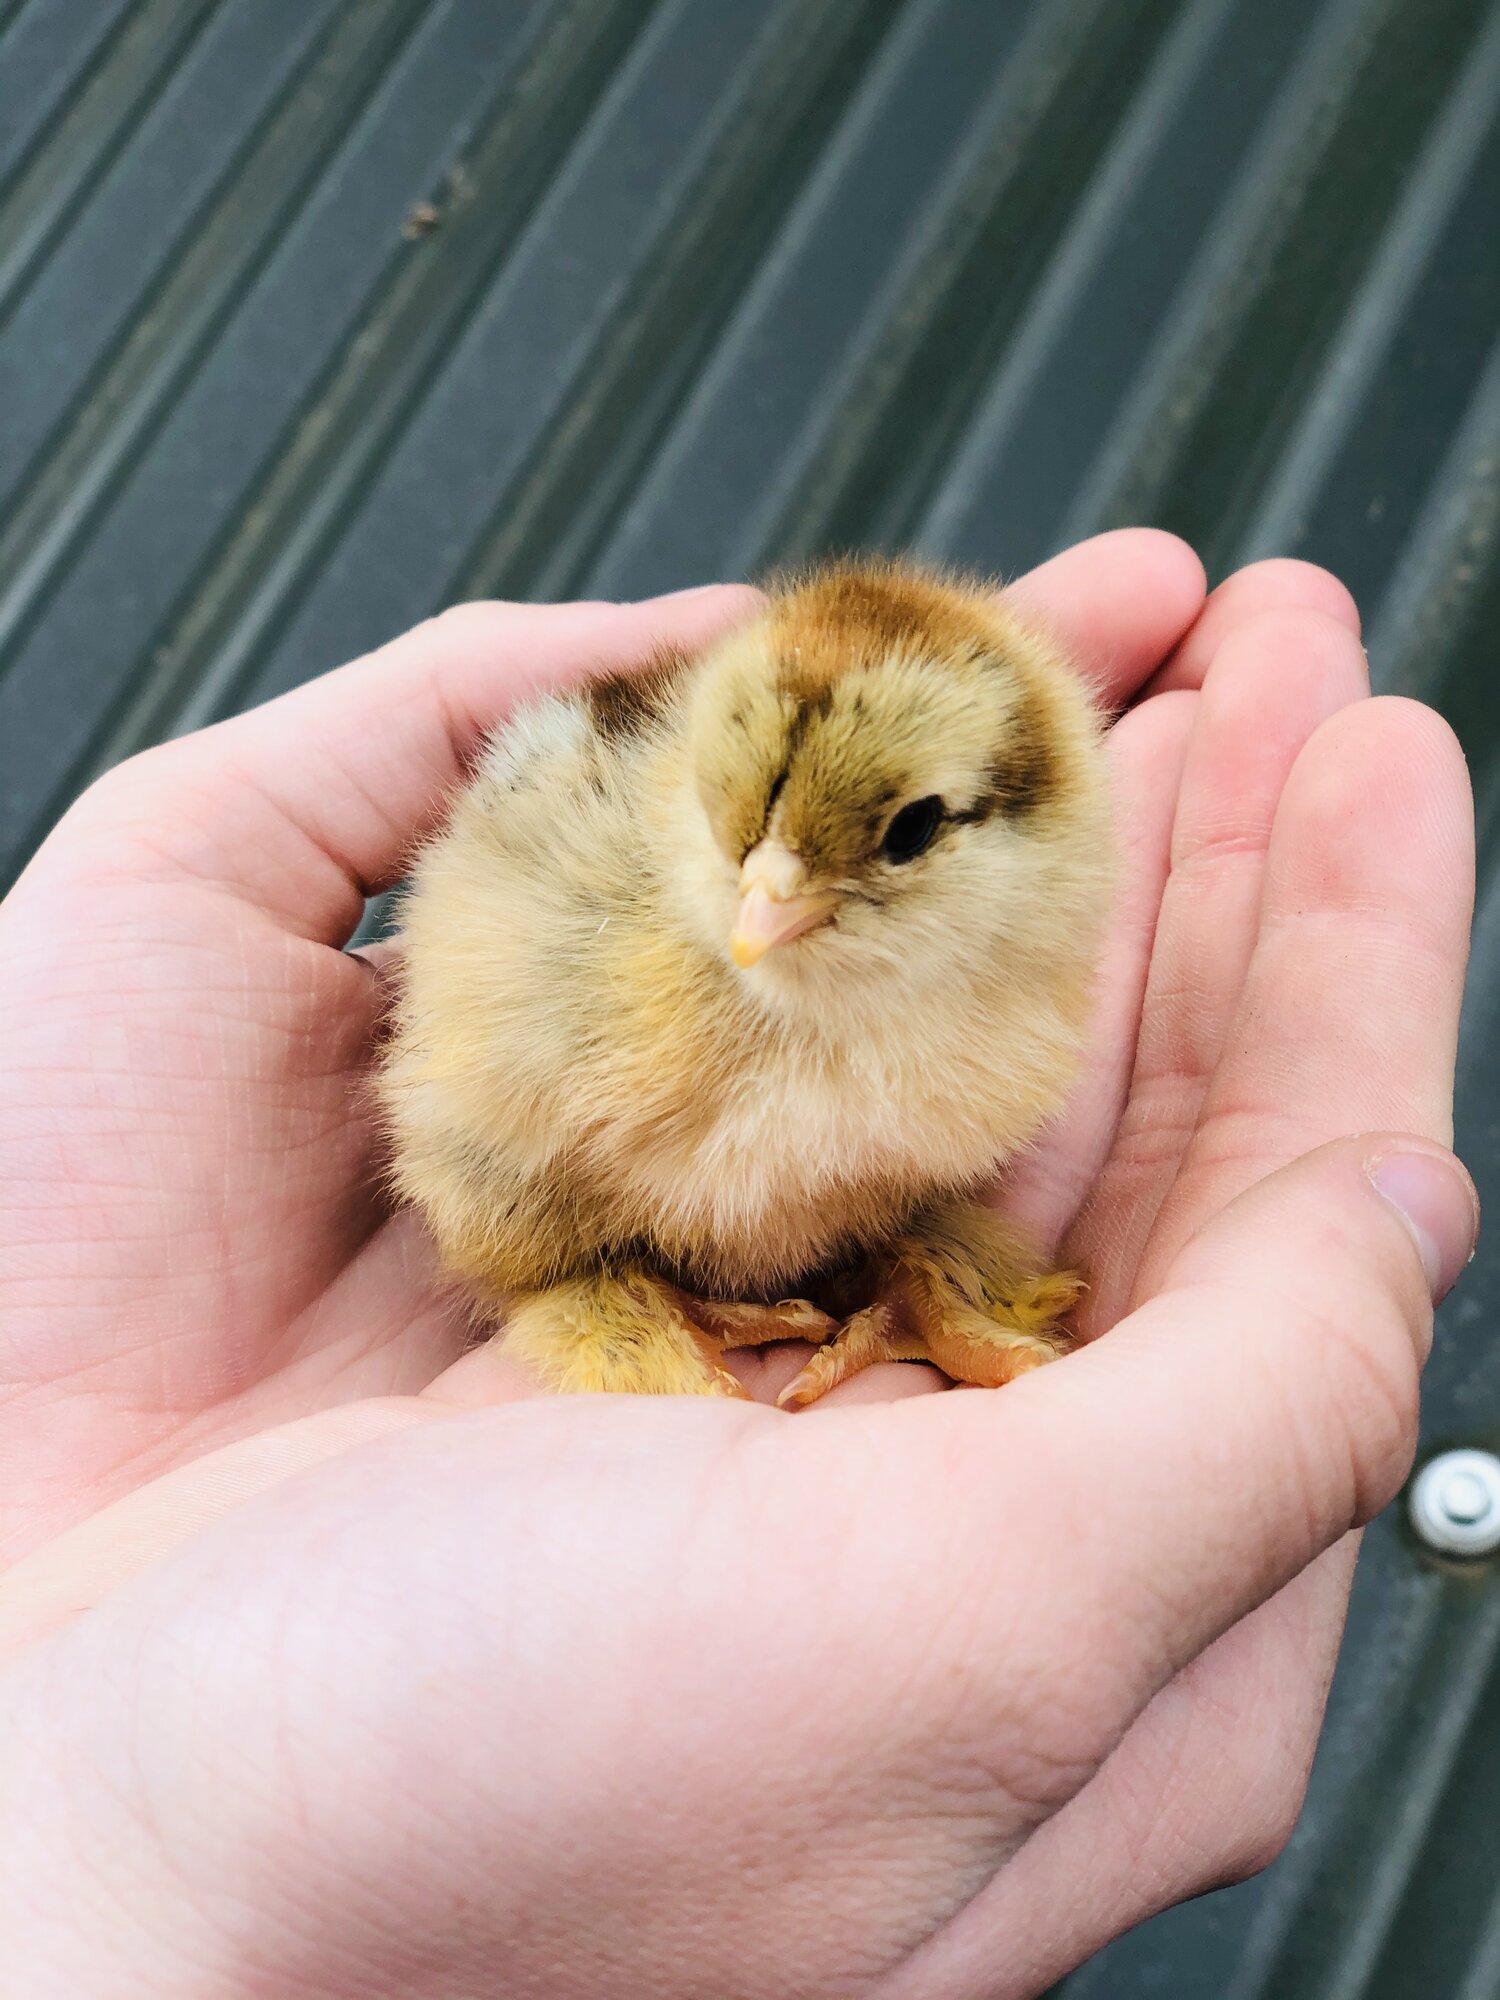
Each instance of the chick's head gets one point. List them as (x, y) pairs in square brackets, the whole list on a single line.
[(896, 779)]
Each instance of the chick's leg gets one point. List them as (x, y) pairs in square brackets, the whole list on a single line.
[(625, 1331), (959, 1289)]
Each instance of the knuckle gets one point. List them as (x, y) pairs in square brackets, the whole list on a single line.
[(1379, 1405), (1255, 1841), (480, 622), (469, 624), (1257, 1798), (115, 797), (1368, 1345), (1259, 1829)]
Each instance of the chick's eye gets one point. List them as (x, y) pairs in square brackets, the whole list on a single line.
[(912, 830)]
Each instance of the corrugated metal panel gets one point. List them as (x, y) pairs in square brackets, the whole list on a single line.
[(708, 286)]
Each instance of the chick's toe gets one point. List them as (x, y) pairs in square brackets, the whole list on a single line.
[(735, 1324), (955, 1296), (879, 1333)]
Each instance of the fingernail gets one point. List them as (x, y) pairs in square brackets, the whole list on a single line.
[(1435, 1198)]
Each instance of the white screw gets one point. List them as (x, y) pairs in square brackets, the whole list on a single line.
[(1455, 1503)]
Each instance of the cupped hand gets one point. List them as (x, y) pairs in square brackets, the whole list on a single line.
[(340, 1664)]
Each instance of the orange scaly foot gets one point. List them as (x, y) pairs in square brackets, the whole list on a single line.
[(921, 1314), (744, 1325)]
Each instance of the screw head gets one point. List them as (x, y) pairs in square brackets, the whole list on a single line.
[(1455, 1503)]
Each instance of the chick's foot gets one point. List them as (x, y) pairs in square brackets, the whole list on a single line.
[(624, 1332), (879, 1333), (961, 1294)]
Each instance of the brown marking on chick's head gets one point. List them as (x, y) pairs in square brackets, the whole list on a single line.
[(864, 688), (738, 733), (1023, 774), (860, 613), (628, 700)]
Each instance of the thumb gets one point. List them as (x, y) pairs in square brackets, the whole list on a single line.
[(1260, 1405)]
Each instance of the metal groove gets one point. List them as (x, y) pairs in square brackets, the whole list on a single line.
[(74, 152), (569, 278), (1439, 612), (177, 321), (1055, 299), (1432, 598), (1436, 1927), (90, 297), (44, 61), (964, 172), (1299, 1948)]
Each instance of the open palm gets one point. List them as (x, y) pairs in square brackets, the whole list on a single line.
[(202, 1292)]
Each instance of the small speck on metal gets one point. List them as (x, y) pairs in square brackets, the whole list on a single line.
[(1455, 1503)]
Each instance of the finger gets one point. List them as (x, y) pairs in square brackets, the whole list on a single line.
[(1348, 1019), (1276, 678), (1147, 749), (313, 802), (1116, 604), (1278, 585)]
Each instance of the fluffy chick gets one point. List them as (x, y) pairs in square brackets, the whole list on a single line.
[(739, 976)]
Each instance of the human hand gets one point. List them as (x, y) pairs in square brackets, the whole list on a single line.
[(922, 1697)]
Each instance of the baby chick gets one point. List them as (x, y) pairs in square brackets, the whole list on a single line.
[(738, 976)]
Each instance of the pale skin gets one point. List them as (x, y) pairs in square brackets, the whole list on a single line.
[(339, 1663)]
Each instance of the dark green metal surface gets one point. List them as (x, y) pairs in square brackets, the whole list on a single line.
[(710, 284)]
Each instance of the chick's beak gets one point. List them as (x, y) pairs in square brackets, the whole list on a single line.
[(776, 904)]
